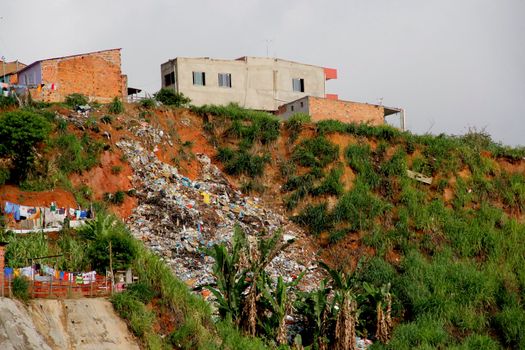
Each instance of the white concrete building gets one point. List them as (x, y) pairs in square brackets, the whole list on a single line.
[(260, 83)]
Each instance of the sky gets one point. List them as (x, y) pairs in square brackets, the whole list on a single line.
[(453, 65)]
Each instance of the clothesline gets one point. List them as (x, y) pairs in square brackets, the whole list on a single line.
[(30, 218)]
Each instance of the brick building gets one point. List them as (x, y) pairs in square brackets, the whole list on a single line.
[(9, 71), (346, 111), (97, 75)]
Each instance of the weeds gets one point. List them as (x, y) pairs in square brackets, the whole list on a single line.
[(116, 106), (317, 152)]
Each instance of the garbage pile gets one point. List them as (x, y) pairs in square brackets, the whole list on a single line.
[(179, 218)]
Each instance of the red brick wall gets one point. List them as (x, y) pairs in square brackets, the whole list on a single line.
[(97, 75), (345, 111)]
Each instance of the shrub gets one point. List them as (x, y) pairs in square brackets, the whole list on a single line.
[(129, 307), (141, 291), (4, 174), (511, 323), (169, 97), (77, 155), (315, 152), (331, 185), (315, 217), (116, 169), (106, 119), (21, 288), (7, 101), (359, 207), (242, 162), (116, 198), (20, 133), (74, 100), (116, 106), (123, 250), (247, 124), (147, 103), (295, 123)]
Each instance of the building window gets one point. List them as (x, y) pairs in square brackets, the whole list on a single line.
[(302, 104), (298, 84), (225, 80), (291, 107), (169, 79), (199, 78)]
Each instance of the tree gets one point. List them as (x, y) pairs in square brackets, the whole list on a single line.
[(169, 97), (99, 233), (20, 133)]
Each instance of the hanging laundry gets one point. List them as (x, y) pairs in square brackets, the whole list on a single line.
[(78, 279), (8, 272), (89, 277), (27, 271)]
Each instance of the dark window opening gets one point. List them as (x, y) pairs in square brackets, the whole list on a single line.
[(291, 107), (298, 84), (199, 78), (302, 104), (225, 80), (169, 79)]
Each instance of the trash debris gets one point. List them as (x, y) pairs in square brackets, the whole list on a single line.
[(419, 177), (179, 218)]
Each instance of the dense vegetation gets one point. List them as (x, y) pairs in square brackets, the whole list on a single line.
[(253, 132), (446, 261), (459, 281)]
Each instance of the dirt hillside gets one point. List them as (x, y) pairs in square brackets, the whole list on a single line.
[(62, 324)]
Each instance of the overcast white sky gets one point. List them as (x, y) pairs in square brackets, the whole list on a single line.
[(452, 64)]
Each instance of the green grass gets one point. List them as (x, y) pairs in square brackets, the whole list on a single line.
[(315, 152)]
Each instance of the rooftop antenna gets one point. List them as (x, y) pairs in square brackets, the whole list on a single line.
[(268, 42)]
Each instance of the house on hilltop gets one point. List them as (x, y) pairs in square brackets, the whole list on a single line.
[(269, 84), (260, 83), (96, 74), (8, 71)]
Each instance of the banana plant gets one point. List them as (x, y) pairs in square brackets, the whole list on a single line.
[(345, 308), (278, 299), (230, 276)]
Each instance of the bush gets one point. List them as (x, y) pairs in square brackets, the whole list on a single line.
[(141, 291), (9, 101), (511, 324), (74, 100), (359, 207), (316, 152), (4, 174), (116, 169), (116, 198), (21, 288), (106, 119), (77, 155), (140, 319), (242, 162), (247, 124), (20, 133), (116, 106), (316, 218), (295, 124), (169, 97), (147, 103)]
